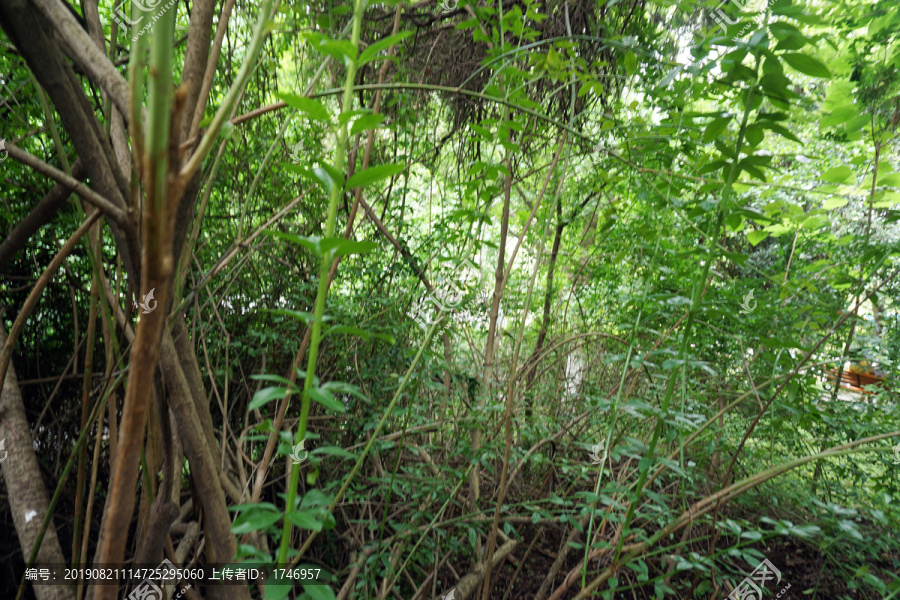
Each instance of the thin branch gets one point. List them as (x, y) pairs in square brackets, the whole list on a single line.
[(38, 288), (87, 194)]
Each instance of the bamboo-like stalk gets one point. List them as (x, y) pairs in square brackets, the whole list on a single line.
[(708, 503), (340, 154), (512, 385), (260, 32), (156, 267), (257, 112), (86, 193), (384, 417)]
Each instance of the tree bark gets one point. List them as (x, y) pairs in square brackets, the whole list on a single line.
[(27, 498), (221, 545), (30, 32)]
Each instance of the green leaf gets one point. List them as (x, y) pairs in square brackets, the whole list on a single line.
[(630, 63), (347, 115), (251, 506), (319, 592), (306, 519), (278, 378), (755, 134), (334, 451), (266, 395), (315, 497), (850, 528), (342, 246), (833, 203), (373, 174), (312, 108), (891, 179), (716, 127), (755, 237), (277, 586), (640, 567), (311, 242), (782, 131), (254, 520), (806, 531), (342, 387), (248, 550), (372, 51), (790, 38), (806, 64), (300, 315), (324, 397), (777, 88), (325, 175), (840, 174), (366, 122), (340, 50)]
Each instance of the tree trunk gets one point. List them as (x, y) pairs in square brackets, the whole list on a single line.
[(28, 498)]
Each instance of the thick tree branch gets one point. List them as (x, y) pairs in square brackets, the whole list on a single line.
[(29, 31), (86, 53), (27, 497), (87, 194)]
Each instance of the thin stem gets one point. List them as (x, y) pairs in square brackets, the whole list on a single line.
[(340, 155), (696, 297)]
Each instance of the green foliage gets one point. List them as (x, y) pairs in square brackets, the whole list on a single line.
[(696, 212)]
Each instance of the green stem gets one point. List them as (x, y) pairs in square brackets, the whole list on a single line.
[(340, 154), (384, 417), (260, 32), (696, 296)]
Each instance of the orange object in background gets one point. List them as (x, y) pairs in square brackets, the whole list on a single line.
[(855, 381), (863, 367)]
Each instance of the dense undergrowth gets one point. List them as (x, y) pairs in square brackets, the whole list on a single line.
[(455, 300)]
